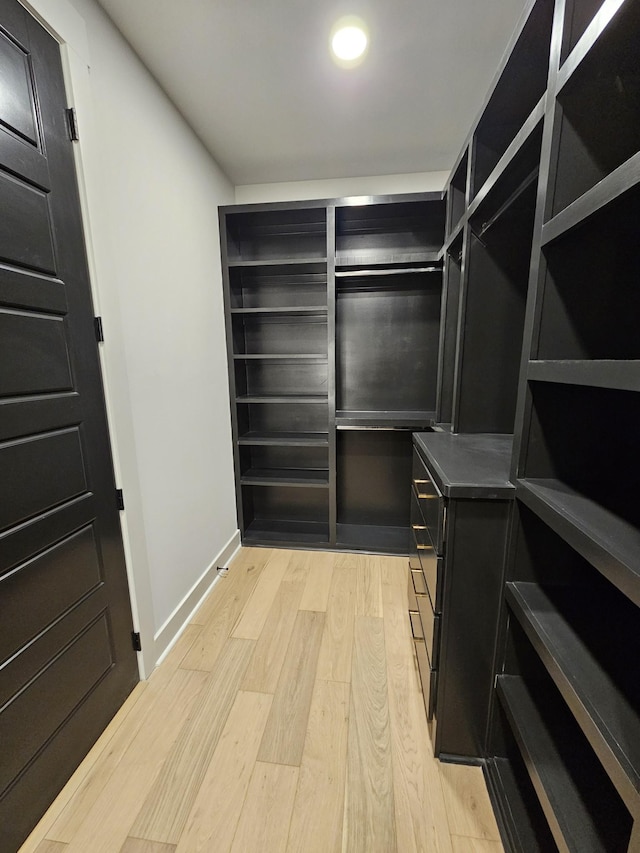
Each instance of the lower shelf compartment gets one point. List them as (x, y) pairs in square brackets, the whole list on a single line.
[(520, 819), (369, 537), (285, 532), (568, 780)]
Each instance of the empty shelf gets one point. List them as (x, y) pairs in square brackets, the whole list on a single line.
[(601, 708), (301, 310), (610, 188), (607, 541), (622, 375), (364, 537), (286, 532), (280, 357), (285, 439), (384, 420), (282, 398), (561, 794), (308, 477), (276, 262)]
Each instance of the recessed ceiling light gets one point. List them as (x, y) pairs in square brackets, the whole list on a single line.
[(349, 41)]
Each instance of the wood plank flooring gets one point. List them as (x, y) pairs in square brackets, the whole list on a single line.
[(287, 717)]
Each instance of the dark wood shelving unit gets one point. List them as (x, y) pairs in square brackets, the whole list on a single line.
[(333, 327), (539, 338)]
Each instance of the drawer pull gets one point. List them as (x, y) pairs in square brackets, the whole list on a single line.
[(420, 482), (425, 548), (419, 526)]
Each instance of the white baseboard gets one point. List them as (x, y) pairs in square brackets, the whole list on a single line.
[(169, 633)]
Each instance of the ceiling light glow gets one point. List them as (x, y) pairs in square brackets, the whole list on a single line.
[(349, 41)]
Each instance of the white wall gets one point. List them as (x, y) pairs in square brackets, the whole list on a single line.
[(150, 193), (338, 187)]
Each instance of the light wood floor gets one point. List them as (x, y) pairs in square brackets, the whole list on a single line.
[(287, 717)]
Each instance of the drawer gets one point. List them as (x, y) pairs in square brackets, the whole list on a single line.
[(416, 625), (431, 503), (428, 678), (430, 629), (419, 585), (414, 559), (433, 573), (411, 593)]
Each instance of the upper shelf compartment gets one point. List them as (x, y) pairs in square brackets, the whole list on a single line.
[(265, 236), (457, 194), (389, 234), (588, 283), (516, 93), (578, 14), (272, 287), (597, 126)]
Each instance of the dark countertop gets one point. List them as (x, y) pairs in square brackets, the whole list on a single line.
[(468, 466)]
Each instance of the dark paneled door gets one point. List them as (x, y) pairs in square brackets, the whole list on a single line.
[(66, 659)]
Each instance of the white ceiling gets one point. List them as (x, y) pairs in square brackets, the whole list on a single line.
[(255, 80)]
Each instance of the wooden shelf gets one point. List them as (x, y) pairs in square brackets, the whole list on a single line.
[(603, 711), (284, 533), (317, 357), (373, 538), (517, 807), (383, 420), (317, 479), (569, 813), (597, 373), (373, 260), (284, 439), (277, 262), (610, 543), (435, 267), (283, 398), (293, 310), (615, 185)]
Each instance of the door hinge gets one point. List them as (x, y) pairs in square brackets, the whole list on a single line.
[(97, 325), (120, 499), (72, 124), (136, 641)]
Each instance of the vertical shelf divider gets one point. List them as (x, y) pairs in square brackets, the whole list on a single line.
[(331, 353)]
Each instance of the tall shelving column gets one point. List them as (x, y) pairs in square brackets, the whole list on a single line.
[(564, 761), (275, 284), (388, 286), (491, 198)]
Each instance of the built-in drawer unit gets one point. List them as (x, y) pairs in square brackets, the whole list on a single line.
[(423, 590), (460, 504)]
